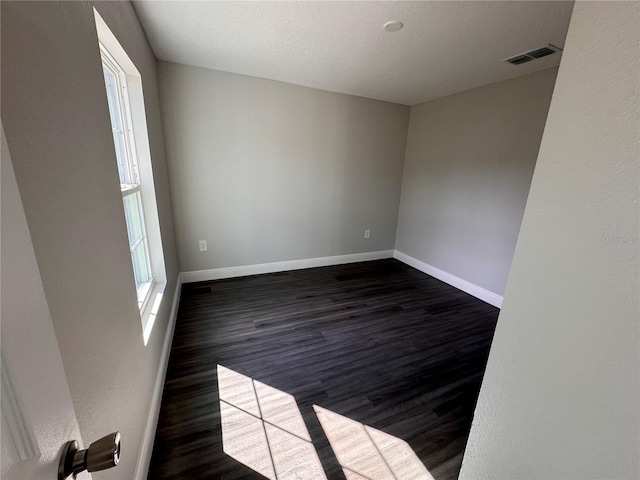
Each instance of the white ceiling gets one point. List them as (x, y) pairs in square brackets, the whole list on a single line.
[(444, 47)]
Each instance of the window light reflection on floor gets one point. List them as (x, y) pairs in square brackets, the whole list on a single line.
[(367, 453), (262, 428)]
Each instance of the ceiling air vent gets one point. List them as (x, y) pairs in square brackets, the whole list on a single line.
[(519, 59), (539, 52)]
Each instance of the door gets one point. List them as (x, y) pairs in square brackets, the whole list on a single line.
[(37, 413)]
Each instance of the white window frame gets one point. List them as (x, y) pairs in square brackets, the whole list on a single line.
[(125, 110), (136, 141), (131, 164)]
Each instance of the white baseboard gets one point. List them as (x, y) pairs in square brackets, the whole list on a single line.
[(146, 449), (468, 287), (229, 272)]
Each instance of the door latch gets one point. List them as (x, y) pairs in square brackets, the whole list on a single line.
[(101, 454)]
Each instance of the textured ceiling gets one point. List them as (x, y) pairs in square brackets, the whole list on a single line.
[(444, 47)]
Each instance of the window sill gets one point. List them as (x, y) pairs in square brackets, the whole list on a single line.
[(144, 294), (150, 310)]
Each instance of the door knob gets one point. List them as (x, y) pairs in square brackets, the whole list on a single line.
[(101, 454)]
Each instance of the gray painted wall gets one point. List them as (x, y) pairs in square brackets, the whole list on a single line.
[(267, 171), (32, 370), (468, 167), (560, 394), (57, 126)]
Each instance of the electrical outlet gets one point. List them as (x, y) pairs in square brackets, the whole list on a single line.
[(203, 245), (367, 233)]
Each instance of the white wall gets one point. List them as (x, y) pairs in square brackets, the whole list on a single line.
[(37, 411), (58, 131), (468, 167), (560, 394), (267, 171)]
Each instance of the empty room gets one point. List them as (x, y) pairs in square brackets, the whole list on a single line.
[(360, 240)]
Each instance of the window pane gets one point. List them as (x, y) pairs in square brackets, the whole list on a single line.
[(121, 156), (140, 265), (115, 113), (115, 82), (133, 216), (112, 99)]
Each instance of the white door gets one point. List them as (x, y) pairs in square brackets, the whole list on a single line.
[(37, 413)]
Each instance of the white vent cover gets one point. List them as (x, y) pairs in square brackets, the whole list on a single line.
[(539, 52)]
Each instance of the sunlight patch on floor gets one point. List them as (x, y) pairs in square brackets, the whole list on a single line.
[(237, 390), (367, 453), (280, 409), (293, 458), (244, 439), (263, 429), (352, 475)]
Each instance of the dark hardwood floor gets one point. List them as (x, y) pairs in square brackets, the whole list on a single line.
[(378, 342)]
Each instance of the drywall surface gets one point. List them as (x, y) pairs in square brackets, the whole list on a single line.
[(267, 171), (560, 394), (58, 131), (35, 393), (468, 167)]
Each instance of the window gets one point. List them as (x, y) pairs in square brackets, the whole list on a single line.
[(125, 101), (117, 97)]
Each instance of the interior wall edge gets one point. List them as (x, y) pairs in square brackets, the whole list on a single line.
[(146, 449), (472, 289), (468, 166)]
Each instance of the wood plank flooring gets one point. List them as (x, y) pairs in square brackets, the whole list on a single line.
[(377, 342)]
